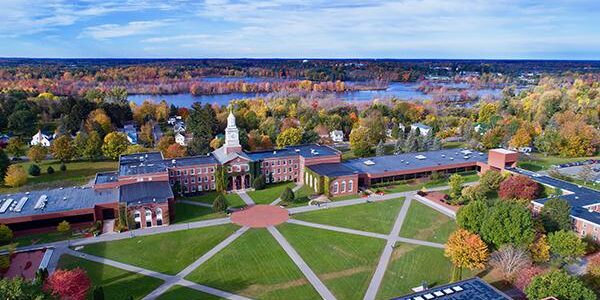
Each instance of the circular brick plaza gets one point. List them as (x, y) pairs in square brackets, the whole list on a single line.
[(260, 216)]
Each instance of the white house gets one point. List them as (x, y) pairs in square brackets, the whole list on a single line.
[(173, 120), (423, 129), (41, 139), (337, 136), (183, 139), (179, 127)]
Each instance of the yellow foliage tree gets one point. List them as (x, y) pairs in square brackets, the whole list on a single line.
[(522, 138), (466, 250), (15, 176), (540, 249)]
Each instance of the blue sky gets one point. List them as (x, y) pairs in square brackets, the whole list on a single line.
[(510, 29)]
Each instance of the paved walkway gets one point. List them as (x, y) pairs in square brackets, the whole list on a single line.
[(310, 275), (246, 198), (260, 216), (295, 189), (387, 253)]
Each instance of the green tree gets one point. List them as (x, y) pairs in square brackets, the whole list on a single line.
[(259, 182), (472, 216), (566, 245), (63, 227), (455, 182), (490, 180), (560, 285), (360, 144), (6, 234), (399, 146), (548, 142), (22, 122), (411, 144), (287, 195), (202, 123), (115, 144), (34, 170), (93, 146), (473, 193), (15, 147), (508, 223), (4, 163), (79, 143), (555, 215), (21, 289), (289, 137), (62, 148), (220, 203), (221, 179)]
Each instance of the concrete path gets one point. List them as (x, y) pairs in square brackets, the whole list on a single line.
[(246, 198), (204, 258), (55, 258), (308, 273), (295, 189), (387, 253), (108, 226), (195, 203), (339, 229), (442, 209)]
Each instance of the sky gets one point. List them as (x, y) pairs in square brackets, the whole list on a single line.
[(476, 29)]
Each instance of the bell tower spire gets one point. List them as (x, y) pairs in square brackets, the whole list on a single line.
[(232, 138)]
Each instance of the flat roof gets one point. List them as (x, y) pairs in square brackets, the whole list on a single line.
[(57, 200), (469, 289), (145, 192), (306, 151), (503, 151), (106, 177), (415, 160), (332, 169)]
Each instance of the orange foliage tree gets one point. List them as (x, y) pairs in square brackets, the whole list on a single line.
[(466, 250)]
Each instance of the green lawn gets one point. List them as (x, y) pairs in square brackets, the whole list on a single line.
[(185, 213), (117, 283), (411, 265), (38, 238), (374, 217), (234, 200), (78, 173), (270, 193), (424, 223), (538, 162), (179, 292), (255, 266), (413, 186), (167, 253), (302, 197), (344, 262), (452, 145)]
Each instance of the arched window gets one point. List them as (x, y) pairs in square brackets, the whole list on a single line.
[(148, 218), (335, 187), (351, 185), (159, 217), (344, 186), (137, 217)]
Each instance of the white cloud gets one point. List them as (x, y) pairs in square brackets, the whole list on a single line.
[(108, 31)]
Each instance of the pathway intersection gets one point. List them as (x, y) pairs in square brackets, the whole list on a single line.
[(65, 247)]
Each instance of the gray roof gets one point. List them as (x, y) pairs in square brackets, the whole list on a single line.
[(106, 177), (332, 170), (223, 157), (306, 151), (58, 200), (409, 161), (470, 289), (191, 161), (145, 192)]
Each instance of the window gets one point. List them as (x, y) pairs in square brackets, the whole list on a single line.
[(185, 189), (171, 173), (267, 179), (290, 161), (193, 180), (185, 180), (148, 218), (229, 169), (344, 186), (178, 173), (335, 187), (192, 171), (295, 166), (172, 181), (284, 162), (159, 217), (199, 188), (350, 185), (193, 188), (137, 217), (199, 171), (184, 172), (289, 169), (212, 178)]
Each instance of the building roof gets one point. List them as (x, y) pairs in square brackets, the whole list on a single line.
[(223, 157), (191, 161), (470, 289), (106, 177), (421, 126), (56, 200), (145, 192), (332, 169), (306, 151), (579, 197), (415, 160)]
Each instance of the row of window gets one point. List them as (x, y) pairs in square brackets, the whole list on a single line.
[(278, 162), (179, 172), (193, 180), (137, 217), (238, 168), (281, 170), (336, 186), (282, 178)]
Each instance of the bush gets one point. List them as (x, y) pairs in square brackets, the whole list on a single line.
[(288, 195), (220, 204), (6, 234), (50, 170), (63, 167), (34, 170), (4, 262), (259, 182), (63, 227)]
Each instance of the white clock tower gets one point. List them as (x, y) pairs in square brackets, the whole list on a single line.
[(232, 135)]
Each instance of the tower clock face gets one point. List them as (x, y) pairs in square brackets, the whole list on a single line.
[(234, 135)]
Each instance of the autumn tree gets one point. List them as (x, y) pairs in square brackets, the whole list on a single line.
[(525, 276), (145, 135), (466, 250), (63, 227), (164, 143), (15, 147), (540, 249), (62, 148), (69, 284), (455, 182), (175, 150), (79, 143), (98, 120), (560, 285), (115, 144), (15, 176), (519, 187), (360, 144), (216, 143), (490, 180), (566, 245), (508, 223), (555, 215), (289, 137), (521, 138), (509, 260), (37, 153)]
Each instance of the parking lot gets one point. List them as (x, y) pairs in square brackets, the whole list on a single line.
[(574, 171)]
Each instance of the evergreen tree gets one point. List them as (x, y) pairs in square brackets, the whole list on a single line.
[(380, 149), (399, 147), (202, 123), (436, 144), (411, 144)]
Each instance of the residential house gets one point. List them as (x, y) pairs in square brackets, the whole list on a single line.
[(183, 139), (131, 133), (337, 136), (423, 129), (41, 139)]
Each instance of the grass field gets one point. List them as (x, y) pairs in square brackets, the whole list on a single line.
[(185, 213), (117, 283), (167, 253), (179, 292), (302, 197), (344, 262), (234, 200), (78, 173), (538, 162), (452, 145), (270, 193), (255, 266), (38, 238), (411, 265), (425, 223), (374, 217), (413, 186)]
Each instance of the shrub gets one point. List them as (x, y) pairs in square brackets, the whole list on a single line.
[(259, 182), (63, 227), (63, 167), (4, 262), (6, 234), (288, 195), (50, 170), (220, 204), (34, 170)]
